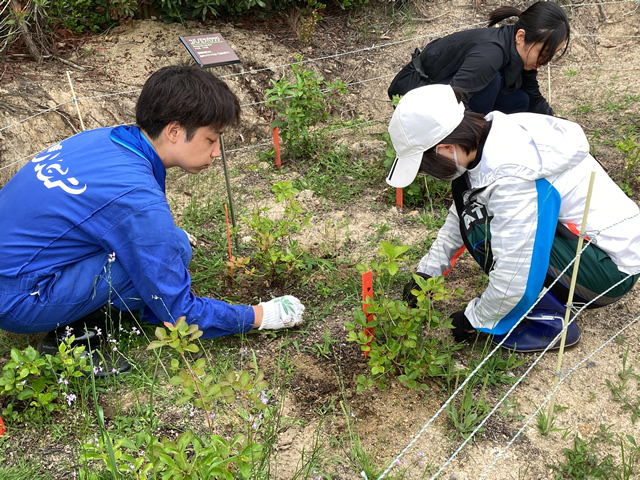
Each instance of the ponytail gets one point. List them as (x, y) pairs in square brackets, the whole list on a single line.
[(502, 13)]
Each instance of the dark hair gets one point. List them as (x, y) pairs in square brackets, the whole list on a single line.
[(191, 96), (472, 131), (543, 22)]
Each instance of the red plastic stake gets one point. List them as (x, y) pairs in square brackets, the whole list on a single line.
[(276, 146), (226, 214), (367, 296), (399, 198), (2, 427)]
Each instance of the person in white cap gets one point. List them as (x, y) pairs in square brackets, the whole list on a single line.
[(519, 184)]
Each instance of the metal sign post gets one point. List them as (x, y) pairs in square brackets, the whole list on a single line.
[(211, 50)]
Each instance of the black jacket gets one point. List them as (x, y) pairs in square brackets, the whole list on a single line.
[(472, 58)]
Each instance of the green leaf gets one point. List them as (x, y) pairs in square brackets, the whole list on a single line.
[(155, 344), (161, 333), (392, 268)]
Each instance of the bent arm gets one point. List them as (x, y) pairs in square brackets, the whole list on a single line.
[(444, 248), (146, 244), (537, 103)]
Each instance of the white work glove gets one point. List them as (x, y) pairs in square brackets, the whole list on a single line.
[(192, 240), (281, 312)]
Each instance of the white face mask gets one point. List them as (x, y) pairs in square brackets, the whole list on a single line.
[(460, 170)]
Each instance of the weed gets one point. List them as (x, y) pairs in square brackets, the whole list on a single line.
[(587, 460), (361, 460), (619, 390), (38, 385), (469, 412), (630, 146), (324, 349), (544, 423)]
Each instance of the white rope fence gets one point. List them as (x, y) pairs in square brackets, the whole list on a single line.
[(564, 377), (497, 347), (452, 397), (522, 377), (351, 52)]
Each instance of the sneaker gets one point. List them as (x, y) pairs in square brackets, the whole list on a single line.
[(538, 329), (536, 335)]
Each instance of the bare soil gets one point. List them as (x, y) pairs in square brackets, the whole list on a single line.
[(589, 86)]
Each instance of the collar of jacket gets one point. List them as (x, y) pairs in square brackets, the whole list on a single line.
[(512, 72), (134, 140)]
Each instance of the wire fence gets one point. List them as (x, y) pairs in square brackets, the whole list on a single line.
[(497, 347)]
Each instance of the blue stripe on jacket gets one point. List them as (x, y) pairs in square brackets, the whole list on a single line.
[(548, 214)]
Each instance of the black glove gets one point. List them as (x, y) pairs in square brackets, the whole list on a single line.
[(409, 297), (462, 328)]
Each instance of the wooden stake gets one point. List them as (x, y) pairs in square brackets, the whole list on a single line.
[(75, 100), (572, 288), (276, 146), (367, 297), (549, 81)]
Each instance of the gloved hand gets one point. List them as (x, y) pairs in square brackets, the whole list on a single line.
[(409, 297), (193, 241), (462, 328), (281, 312)]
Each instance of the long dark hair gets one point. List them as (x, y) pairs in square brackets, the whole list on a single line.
[(472, 131), (543, 22)]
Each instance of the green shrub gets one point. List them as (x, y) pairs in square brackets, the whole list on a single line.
[(36, 385), (301, 104), (404, 344)]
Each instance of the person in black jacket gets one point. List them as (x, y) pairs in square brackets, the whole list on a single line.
[(497, 67)]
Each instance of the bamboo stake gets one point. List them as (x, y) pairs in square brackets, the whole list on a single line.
[(549, 81), (572, 287), (75, 100), (228, 184)]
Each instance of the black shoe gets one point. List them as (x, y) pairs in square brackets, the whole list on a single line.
[(108, 364)]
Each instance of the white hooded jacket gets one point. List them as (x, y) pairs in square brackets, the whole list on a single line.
[(534, 172)]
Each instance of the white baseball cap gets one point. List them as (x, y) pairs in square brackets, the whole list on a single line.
[(424, 117)]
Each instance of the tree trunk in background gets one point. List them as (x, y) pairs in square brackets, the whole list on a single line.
[(26, 35)]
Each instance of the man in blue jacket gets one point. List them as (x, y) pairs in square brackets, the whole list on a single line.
[(86, 223)]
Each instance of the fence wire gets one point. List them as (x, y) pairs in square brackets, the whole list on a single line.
[(562, 379), (497, 347)]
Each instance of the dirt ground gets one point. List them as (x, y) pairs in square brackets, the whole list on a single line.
[(602, 66)]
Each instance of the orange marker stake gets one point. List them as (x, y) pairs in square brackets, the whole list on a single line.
[(399, 198), (226, 214), (276, 146), (367, 296), (2, 427)]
